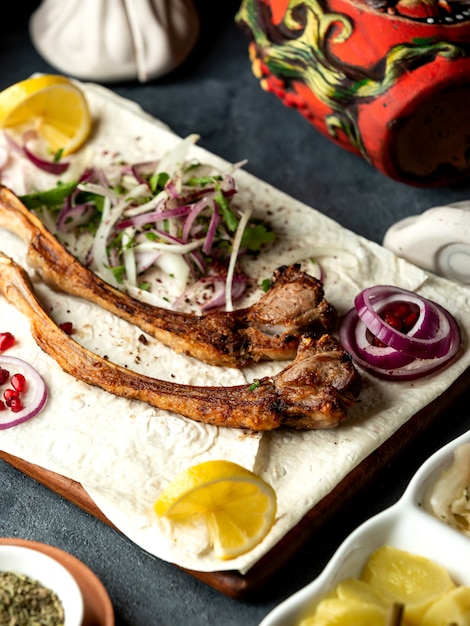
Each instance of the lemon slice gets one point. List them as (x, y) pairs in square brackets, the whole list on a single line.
[(236, 505), (52, 105)]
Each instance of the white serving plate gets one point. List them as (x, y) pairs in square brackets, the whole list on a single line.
[(405, 525)]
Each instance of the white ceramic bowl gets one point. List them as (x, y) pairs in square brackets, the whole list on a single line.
[(50, 573), (405, 525)]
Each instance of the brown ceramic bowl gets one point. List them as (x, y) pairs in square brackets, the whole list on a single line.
[(97, 607)]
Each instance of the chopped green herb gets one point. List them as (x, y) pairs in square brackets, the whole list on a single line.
[(58, 155), (202, 180), (227, 214), (255, 236), (254, 385), (119, 272), (266, 284), (158, 181), (52, 198)]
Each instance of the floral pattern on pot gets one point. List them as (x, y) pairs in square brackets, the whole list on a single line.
[(387, 80)]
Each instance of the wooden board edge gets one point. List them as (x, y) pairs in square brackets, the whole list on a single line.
[(253, 585)]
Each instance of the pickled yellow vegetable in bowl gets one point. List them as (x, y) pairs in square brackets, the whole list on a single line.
[(394, 580), (404, 557)]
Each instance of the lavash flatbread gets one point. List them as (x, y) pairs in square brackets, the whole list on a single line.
[(123, 452)]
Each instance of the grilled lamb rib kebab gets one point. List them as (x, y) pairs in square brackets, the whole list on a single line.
[(314, 391), (268, 330)]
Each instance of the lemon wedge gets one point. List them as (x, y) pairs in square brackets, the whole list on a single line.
[(52, 105), (236, 505)]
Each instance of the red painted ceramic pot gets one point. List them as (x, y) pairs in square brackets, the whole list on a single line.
[(386, 79)]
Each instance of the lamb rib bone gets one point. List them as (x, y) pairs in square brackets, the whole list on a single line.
[(268, 330), (314, 391)]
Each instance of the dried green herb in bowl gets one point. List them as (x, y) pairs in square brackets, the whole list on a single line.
[(37, 589), (24, 602)]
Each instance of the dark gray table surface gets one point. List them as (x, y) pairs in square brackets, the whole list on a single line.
[(215, 94)]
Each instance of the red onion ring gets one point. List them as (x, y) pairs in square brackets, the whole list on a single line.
[(429, 338), (355, 340), (52, 167), (35, 383), (387, 361)]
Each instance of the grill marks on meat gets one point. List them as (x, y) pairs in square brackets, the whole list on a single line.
[(268, 330), (314, 391)]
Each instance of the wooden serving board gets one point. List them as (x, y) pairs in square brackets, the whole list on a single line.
[(255, 582)]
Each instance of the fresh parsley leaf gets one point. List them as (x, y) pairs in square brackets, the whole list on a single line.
[(266, 284), (118, 272), (255, 236)]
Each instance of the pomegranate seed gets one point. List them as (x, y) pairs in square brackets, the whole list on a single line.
[(4, 375), (2, 405), (393, 320), (67, 327), (18, 382), (6, 341), (16, 405), (401, 309), (401, 316), (8, 394), (410, 320)]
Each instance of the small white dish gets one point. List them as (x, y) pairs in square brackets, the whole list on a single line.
[(48, 572), (436, 240), (405, 525)]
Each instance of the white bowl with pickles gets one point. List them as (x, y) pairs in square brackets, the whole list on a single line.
[(36, 587), (406, 566)]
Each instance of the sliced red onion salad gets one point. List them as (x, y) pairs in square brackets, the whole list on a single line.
[(31, 401), (143, 217), (398, 335)]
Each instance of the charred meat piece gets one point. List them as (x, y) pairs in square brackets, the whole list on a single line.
[(314, 391), (268, 330)]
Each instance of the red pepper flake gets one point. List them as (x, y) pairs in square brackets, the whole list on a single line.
[(67, 327), (6, 341)]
